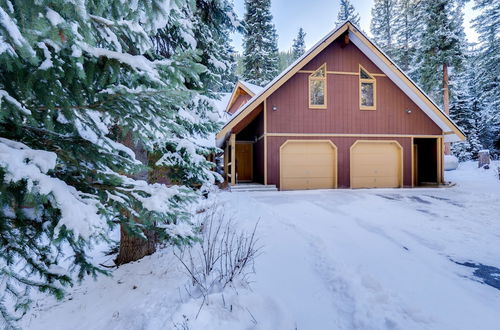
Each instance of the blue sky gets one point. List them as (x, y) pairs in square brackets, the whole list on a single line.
[(317, 17)]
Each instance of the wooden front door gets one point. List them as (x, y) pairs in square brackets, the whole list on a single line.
[(244, 161)]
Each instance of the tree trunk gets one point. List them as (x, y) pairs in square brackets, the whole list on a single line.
[(133, 247), (483, 158), (446, 103)]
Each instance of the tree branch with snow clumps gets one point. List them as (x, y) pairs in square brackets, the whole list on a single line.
[(79, 213)]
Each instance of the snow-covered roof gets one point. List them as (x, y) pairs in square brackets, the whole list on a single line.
[(246, 87), (253, 88), (451, 130)]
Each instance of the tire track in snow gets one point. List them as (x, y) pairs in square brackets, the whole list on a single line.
[(355, 295)]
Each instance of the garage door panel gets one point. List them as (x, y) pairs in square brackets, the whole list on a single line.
[(374, 182), (310, 172), (308, 165), (375, 164), (374, 170), (307, 159), (308, 183)]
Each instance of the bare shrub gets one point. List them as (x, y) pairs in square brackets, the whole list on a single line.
[(222, 255)]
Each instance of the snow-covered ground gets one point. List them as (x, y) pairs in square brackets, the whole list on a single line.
[(331, 259)]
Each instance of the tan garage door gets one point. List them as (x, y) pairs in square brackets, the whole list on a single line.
[(376, 164), (308, 165)]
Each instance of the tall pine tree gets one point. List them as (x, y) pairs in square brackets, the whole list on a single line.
[(214, 22), (347, 12), (382, 25), (77, 80), (486, 63), (406, 38), (442, 46), (463, 111), (442, 49), (299, 45), (260, 55)]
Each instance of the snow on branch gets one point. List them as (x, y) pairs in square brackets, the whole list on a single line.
[(11, 28), (78, 214), (4, 95), (137, 62)]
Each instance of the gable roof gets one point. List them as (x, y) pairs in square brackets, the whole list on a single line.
[(246, 87), (376, 55)]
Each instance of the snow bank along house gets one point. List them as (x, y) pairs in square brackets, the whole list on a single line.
[(342, 116)]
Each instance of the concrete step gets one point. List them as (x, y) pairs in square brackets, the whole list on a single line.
[(251, 187)]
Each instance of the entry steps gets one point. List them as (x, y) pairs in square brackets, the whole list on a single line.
[(251, 187)]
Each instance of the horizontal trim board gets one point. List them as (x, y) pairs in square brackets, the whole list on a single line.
[(343, 72), (351, 135)]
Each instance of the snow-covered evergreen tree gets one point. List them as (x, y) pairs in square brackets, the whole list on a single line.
[(215, 21), (382, 25), (441, 45), (347, 12), (486, 64), (299, 44), (463, 111), (77, 78), (260, 55), (406, 38)]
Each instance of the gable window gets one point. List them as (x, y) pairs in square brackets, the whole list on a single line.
[(367, 90), (317, 88)]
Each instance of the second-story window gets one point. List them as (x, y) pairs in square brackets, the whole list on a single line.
[(317, 88), (367, 90)]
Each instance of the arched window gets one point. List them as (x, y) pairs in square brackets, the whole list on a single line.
[(317, 88), (367, 90)]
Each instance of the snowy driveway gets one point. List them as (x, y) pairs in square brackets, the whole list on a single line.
[(333, 259), (377, 259)]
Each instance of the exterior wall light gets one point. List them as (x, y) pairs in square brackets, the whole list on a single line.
[(408, 111), (275, 108)]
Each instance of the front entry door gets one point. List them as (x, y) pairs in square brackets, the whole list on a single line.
[(244, 161)]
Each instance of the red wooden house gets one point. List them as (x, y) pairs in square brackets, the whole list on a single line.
[(343, 115)]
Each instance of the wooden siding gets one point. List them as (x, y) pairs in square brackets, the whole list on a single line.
[(343, 114), (241, 99), (342, 59), (343, 155)]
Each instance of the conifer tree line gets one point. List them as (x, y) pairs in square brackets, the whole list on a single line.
[(96, 98), (426, 39)]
